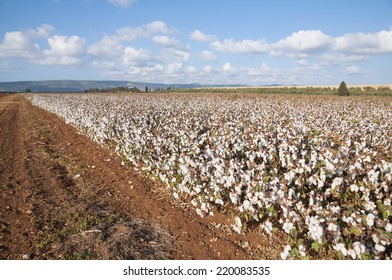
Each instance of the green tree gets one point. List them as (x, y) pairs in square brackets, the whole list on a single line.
[(342, 90)]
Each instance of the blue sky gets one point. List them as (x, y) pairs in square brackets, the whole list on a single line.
[(251, 42)]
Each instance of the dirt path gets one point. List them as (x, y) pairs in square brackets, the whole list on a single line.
[(64, 196)]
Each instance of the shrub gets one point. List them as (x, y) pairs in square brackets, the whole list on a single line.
[(343, 91)]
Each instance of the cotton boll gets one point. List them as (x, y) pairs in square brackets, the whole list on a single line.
[(237, 225), (357, 248), (233, 198), (352, 254), (268, 227), (329, 166), (332, 227), (246, 204), (354, 188), (335, 209), (287, 226), (370, 219), (336, 182), (315, 229), (302, 250), (380, 248), (219, 201), (388, 227), (285, 252), (341, 247)]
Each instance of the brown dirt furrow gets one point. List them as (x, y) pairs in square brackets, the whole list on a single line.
[(64, 196), (14, 222)]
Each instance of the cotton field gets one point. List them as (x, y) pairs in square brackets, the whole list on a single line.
[(317, 167)]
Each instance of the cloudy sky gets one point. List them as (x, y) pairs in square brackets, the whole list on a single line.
[(251, 42)]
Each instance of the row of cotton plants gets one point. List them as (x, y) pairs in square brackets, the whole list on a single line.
[(318, 168)]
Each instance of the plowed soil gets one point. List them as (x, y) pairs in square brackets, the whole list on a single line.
[(63, 196)]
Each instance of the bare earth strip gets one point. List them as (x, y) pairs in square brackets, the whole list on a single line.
[(64, 196)]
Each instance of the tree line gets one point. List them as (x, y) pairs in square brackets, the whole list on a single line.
[(115, 90)]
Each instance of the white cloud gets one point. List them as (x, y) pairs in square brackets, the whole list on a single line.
[(263, 71), (207, 69), (244, 46), (264, 74), (302, 62), (18, 44), (43, 31), (21, 44), (133, 61), (136, 57), (104, 64), (227, 67), (66, 46), (129, 33), (108, 46), (64, 50), (365, 43), (112, 45), (60, 60), (336, 59), (157, 27), (148, 72), (353, 70), (160, 27), (166, 41), (206, 56), (265, 68), (191, 70), (197, 35), (175, 55), (121, 3), (302, 43), (173, 68)]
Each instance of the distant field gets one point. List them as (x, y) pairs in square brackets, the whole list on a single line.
[(357, 86), (371, 90), (376, 86)]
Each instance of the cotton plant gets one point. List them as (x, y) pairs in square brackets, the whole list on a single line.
[(306, 165)]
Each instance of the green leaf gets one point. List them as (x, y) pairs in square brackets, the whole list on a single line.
[(293, 234), (315, 246), (346, 232), (365, 256), (384, 213), (247, 217), (356, 231), (294, 252)]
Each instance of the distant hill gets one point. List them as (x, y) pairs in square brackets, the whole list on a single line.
[(60, 85), (82, 85)]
